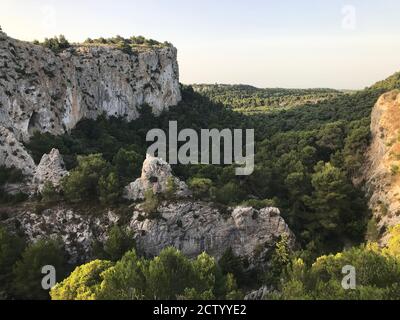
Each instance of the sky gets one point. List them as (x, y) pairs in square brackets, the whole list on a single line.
[(283, 43)]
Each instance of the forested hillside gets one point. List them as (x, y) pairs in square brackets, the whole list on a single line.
[(250, 100), (307, 157)]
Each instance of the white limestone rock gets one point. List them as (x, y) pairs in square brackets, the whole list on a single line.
[(194, 227), (156, 174), (48, 92), (50, 169), (13, 153)]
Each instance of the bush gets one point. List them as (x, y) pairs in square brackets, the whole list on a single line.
[(128, 164), (119, 242), (49, 193), (56, 44), (200, 187), (11, 247), (109, 189), (171, 188), (83, 182), (377, 276), (27, 272), (170, 275), (150, 203)]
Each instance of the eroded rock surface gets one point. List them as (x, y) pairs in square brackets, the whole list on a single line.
[(157, 176), (194, 227), (48, 92), (13, 153), (50, 169), (382, 172)]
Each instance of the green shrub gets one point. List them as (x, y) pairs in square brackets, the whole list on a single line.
[(151, 203), (200, 187), (49, 193), (118, 242), (27, 272), (83, 182)]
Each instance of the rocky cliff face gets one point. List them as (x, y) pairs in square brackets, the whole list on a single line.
[(190, 226), (48, 92), (13, 153), (41, 90), (194, 227), (382, 172)]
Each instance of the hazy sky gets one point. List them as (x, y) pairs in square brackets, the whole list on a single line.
[(282, 43)]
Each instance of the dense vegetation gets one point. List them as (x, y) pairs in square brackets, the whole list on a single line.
[(307, 155), (252, 100), (306, 158), (377, 274), (168, 276), (60, 43)]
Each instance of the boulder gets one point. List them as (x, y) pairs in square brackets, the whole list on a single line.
[(50, 169)]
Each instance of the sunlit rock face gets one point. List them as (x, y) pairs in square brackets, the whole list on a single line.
[(381, 170), (156, 176), (48, 92), (194, 227), (50, 169), (13, 153)]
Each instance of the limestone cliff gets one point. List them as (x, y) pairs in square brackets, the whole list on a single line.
[(190, 226), (382, 172), (50, 92)]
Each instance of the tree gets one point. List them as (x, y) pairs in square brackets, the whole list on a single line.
[(200, 187), (230, 193), (27, 272), (230, 263), (119, 242), (83, 182), (336, 206), (11, 248), (109, 189), (377, 276), (56, 44), (150, 203), (84, 283), (279, 261), (126, 280), (128, 164), (169, 274), (49, 192)]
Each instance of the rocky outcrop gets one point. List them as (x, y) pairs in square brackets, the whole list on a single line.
[(77, 231), (157, 176), (50, 169), (49, 92), (257, 294), (382, 171), (13, 153), (190, 226), (194, 227)]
